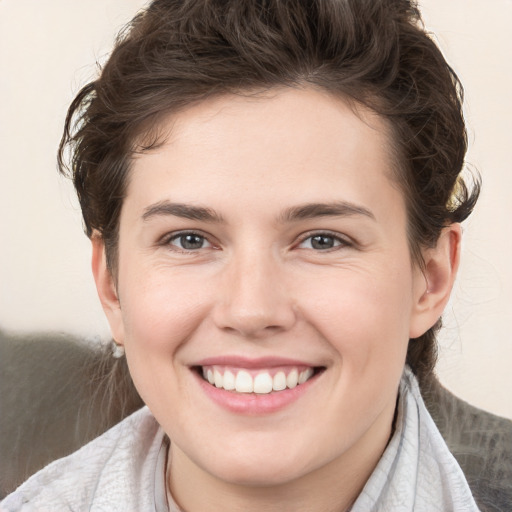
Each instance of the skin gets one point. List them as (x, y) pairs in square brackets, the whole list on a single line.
[(256, 287)]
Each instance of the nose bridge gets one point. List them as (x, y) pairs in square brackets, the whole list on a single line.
[(255, 299)]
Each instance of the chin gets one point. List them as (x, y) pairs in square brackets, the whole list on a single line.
[(259, 467)]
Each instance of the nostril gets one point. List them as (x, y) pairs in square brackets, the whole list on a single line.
[(255, 323)]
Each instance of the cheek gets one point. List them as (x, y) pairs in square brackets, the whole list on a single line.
[(161, 308), (161, 312), (363, 317)]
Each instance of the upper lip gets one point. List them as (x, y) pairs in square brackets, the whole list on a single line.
[(253, 363)]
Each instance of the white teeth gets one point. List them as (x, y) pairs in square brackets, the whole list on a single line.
[(217, 376), (243, 382), (292, 379), (305, 375), (279, 381), (261, 383), (229, 381)]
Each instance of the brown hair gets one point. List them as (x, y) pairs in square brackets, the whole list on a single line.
[(372, 52)]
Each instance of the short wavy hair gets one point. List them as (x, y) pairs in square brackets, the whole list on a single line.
[(371, 52)]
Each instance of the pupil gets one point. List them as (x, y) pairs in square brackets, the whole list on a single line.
[(191, 241), (322, 242)]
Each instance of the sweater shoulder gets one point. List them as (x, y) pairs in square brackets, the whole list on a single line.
[(108, 463)]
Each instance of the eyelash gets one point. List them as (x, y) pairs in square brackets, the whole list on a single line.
[(338, 241), (167, 241)]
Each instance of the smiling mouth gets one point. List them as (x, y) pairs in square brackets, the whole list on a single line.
[(261, 382)]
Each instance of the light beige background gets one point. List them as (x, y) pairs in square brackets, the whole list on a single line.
[(48, 50)]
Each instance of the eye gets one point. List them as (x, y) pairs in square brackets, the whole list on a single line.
[(189, 241), (323, 242)]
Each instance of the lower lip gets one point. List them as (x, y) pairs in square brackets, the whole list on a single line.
[(253, 403)]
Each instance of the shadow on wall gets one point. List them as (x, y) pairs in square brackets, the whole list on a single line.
[(58, 393)]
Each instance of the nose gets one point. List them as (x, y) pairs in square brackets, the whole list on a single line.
[(254, 300)]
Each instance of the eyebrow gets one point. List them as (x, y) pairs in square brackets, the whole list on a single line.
[(293, 214), (334, 209), (185, 211)]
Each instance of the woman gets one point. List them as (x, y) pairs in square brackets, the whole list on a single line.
[(273, 194)]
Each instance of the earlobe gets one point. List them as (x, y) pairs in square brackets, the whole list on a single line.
[(434, 283), (106, 289)]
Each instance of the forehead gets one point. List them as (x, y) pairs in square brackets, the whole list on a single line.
[(285, 142)]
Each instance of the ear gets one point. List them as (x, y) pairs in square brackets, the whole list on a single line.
[(434, 283), (106, 288)]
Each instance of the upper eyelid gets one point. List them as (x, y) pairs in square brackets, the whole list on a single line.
[(175, 234), (318, 232)]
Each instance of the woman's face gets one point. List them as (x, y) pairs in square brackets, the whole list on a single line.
[(264, 245)]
